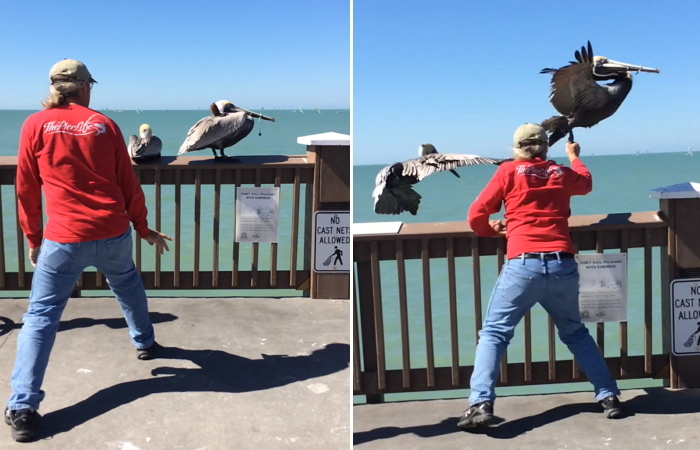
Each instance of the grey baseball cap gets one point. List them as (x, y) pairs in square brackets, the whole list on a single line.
[(72, 69), (529, 132)]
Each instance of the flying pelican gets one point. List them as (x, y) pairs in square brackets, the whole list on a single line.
[(393, 193), (145, 146), (227, 125), (579, 99)]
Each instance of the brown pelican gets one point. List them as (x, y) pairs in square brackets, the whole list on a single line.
[(227, 125), (579, 99), (393, 193), (145, 146)]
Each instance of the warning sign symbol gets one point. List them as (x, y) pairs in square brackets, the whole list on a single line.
[(338, 253), (689, 341)]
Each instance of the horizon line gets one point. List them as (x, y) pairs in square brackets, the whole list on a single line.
[(583, 156)]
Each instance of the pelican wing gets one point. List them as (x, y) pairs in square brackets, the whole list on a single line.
[(438, 162), (396, 200), (382, 176), (153, 147), (211, 129), (574, 85), (134, 145), (567, 85)]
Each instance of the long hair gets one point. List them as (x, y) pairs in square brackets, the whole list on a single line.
[(531, 149), (61, 92)]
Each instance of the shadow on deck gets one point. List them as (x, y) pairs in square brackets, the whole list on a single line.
[(233, 373), (655, 418)]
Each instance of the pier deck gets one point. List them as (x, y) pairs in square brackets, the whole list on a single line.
[(241, 373), (658, 419)]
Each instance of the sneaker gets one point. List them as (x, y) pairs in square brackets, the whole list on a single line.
[(611, 407), (22, 423), (147, 353), (479, 414)]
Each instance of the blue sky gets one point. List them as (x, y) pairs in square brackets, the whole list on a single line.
[(463, 75), (181, 54)]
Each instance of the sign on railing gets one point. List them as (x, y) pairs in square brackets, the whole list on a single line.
[(685, 323), (332, 241), (257, 214)]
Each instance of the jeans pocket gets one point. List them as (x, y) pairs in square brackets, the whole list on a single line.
[(567, 270), (513, 284), (119, 248), (567, 281), (60, 258)]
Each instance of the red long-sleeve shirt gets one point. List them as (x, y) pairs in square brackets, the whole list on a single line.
[(537, 196), (80, 159)]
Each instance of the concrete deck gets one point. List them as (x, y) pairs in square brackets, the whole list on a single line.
[(234, 374), (656, 418)]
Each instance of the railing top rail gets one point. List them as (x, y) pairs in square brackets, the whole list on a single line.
[(208, 162), (647, 219)]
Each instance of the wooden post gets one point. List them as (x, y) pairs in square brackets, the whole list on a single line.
[(680, 259), (331, 192)]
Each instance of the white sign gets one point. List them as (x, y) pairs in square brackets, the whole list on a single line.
[(603, 287), (376, 228), (332, 241), (257, 214), (685, 320)]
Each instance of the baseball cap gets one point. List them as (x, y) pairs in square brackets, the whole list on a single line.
[(529, 132), (71, 68)]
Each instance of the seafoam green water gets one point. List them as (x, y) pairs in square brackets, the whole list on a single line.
[(278, 138), (621, 183)]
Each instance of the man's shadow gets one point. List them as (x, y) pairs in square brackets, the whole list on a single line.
[(656, 401), (218, 371), (7, 324)]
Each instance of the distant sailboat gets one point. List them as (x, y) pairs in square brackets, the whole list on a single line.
[(301, 110), (690, 152), (318, 110)]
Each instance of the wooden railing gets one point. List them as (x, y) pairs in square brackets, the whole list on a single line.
[(204, 254), (454, 247)]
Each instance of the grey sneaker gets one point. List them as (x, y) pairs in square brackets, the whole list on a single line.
[(477, 415), (612, 408), (22, 423)]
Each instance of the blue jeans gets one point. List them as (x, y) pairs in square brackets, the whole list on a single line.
[(57, 271), (521, 284)]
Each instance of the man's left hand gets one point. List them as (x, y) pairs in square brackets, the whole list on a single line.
[(34, 255)]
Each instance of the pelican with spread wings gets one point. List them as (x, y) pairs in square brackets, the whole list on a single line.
[(394, 194), (577, 96)]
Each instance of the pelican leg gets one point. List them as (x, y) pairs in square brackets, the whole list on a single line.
[(571, 136), (225, 157)]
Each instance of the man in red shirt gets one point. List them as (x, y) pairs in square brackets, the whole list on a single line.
[(79, 158), (540, 266)]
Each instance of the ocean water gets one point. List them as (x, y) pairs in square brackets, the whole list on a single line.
[(267, 138), (621, 183)]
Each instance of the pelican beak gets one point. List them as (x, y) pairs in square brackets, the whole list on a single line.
[(620, 66), (256, 115)]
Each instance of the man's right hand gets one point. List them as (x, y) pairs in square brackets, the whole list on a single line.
[(572, 150), (158, 239)]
